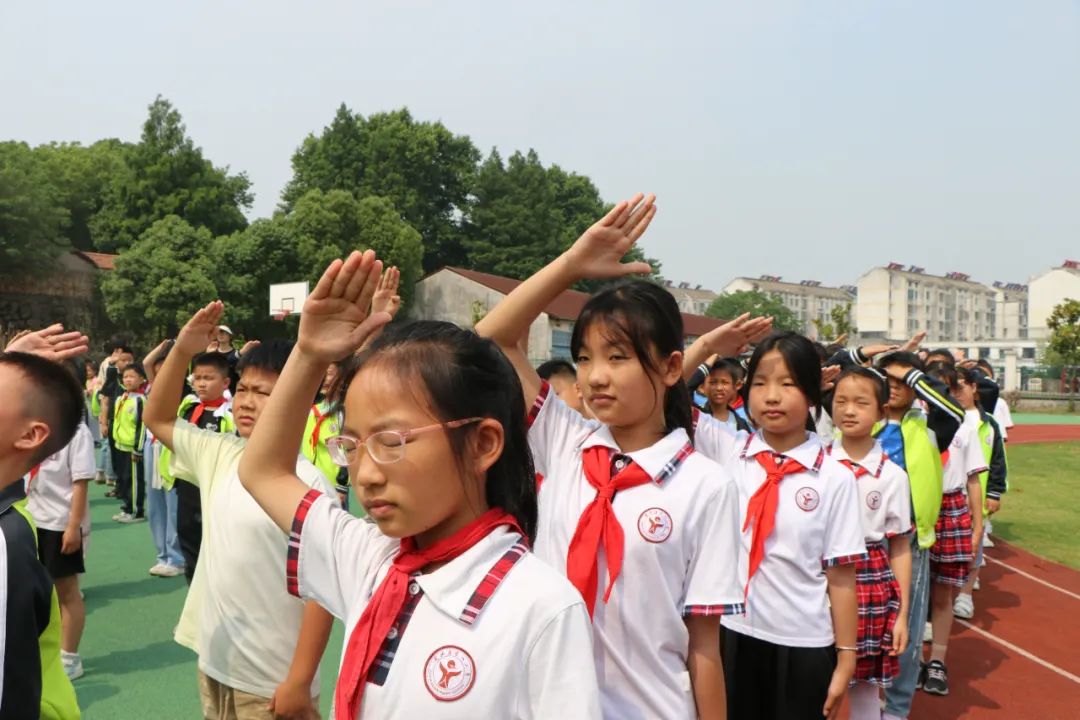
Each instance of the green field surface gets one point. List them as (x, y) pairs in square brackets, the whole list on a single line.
[(1041, 511), (1046, 418), (134, 670)]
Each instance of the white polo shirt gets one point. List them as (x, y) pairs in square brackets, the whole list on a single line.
[(48, 495), (681, 542), (494, 633), (884, 493), (965, 456), (1004, 417), (817, 526), (238, 615)]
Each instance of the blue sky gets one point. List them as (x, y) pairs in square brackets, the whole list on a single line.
[(811, 140)]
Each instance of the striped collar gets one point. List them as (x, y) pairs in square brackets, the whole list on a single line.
[(810, 454), (462, 587), (836, 450), (661, 460)]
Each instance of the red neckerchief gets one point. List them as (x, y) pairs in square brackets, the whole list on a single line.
[(761, 511), (198, 411), (854, 467), (120, 403), (738, 403), (33, 474), (382, 610), (319, 420), (599, 524)]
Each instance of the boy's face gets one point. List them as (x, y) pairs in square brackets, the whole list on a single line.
[(568, 391), (123, 359), (132, 380), (252, 392), (720, 388), (901, 396), (208, 382)]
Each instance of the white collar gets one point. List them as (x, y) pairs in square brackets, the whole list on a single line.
[(656, 460), (809, 454), (873, 463)]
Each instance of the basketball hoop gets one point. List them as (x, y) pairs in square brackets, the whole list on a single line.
[(280, 315)]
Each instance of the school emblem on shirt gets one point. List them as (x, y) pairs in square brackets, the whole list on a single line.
[(655, 525), (873, 500), (807, 498), (449, 673)]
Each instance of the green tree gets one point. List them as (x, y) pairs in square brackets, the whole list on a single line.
[(328, 225), (524, 215), (168, 175), (164, 276), (32, 219), (839, 323), (730, 305), (1064, 343), (422, 168)]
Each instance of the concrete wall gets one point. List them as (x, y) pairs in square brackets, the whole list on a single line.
[(66, 293), (1047, 291)]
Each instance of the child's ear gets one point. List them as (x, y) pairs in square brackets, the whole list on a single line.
[(671, 369), (486, 445), (227, 381), (33, 436)]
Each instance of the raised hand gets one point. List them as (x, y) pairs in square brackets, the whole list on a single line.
[(872, 351), (335, 320), (734, 337), (598, 253), (51, 343), (386, 298), (829, 373), (249, 346), (200, 329), (913, 344)]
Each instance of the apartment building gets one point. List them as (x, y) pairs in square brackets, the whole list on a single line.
[(897, 301), (808, 299), (1011, 311), (694, 300), (1048, 290)]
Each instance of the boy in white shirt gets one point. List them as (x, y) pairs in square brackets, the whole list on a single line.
[(259, 648)]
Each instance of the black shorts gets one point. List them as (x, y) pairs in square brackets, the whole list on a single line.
[(58, 565)]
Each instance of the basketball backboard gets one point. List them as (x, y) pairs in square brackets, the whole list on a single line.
[(287, 297)]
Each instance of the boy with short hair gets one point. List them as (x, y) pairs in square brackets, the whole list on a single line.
[(562, 376), (207, 409), (257, 644), (112, 369), (128, 437), (41, 408)]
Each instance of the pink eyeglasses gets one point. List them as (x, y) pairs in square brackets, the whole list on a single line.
[(386, 446)]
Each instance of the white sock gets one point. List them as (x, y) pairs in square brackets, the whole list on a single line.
[(865, 702), (65, 655)]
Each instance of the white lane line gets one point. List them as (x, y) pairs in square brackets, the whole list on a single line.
[(1029, 576), (1021, 651)]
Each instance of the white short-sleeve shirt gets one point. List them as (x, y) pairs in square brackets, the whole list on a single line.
[(494, 633), (1004, 417), (817, 526), (681, 540), (50, 490), (884, 493), (965, 455), (238, 615)]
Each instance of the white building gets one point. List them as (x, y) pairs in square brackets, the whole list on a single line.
[(1048, 290), (694, 300), (463, 297), (1011, 311), (809, 299), (896, 302)]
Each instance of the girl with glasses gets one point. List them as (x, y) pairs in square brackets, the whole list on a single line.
[(447, 612)]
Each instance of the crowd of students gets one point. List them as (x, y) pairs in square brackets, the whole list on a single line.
[(576, 541)]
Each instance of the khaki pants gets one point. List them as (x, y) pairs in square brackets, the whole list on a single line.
[(221, 702)]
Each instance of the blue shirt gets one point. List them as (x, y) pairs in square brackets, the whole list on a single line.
[(892, 442)]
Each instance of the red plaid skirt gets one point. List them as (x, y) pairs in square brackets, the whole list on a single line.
[(879, 606), (951, 553)]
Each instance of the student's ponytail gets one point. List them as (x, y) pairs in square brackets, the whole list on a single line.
[(647, 317)]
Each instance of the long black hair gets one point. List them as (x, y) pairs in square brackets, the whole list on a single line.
[(647, 317), (803, 362), (464, 376)]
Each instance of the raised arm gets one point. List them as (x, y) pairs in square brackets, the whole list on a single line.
[(51, 343), (152, 357), (334, 322), (597, 254), (729, 340), (386, 299), (160, 412)]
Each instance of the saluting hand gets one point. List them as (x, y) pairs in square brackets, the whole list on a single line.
[(598, 253), (200, 330), (51, 343), (735, 336), (386, 298), (335, 320)]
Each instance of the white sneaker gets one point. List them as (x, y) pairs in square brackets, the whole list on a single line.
[(928, 633), (987, 542), (129, 518), (976, 586), (72, 665), (122, 516), (964, 607), (156, 570), (170, 571)]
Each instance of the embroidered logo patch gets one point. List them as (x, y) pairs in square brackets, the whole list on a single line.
[(449, 673), (655, 525), (807, 499), (873, 500)]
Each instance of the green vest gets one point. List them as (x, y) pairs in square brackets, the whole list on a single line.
[(58, 701), (986, 444), (924, 469), (228, 425), (319, 428)]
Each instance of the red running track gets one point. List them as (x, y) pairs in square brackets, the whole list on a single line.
[(1018, 657), (1021, 434)]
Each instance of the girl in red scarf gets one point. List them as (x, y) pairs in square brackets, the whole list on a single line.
[(645, 528), (447, 612)]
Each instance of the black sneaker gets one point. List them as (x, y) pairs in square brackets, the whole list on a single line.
[(937, 679), (922, 676)]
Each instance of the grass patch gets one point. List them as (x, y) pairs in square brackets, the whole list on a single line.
[(1041, 511)]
